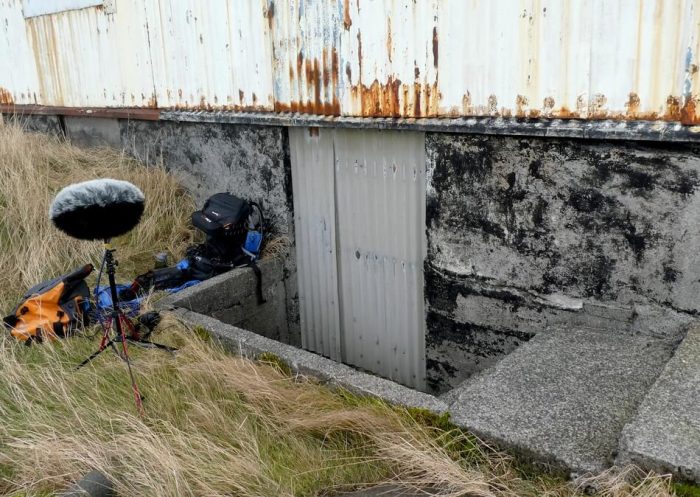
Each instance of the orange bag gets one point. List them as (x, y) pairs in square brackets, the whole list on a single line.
[(51, 309)]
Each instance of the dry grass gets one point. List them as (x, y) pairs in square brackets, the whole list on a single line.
[(215, 425), (33, 168), (219, 425)]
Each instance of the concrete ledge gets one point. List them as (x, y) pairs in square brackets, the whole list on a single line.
[(231, 297), (249, 344), (664, 436), (562, 398)]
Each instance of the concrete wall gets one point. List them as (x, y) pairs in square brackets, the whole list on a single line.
[(530, 234), (249, 161), (231, 298), (34, 123), (525, 235)]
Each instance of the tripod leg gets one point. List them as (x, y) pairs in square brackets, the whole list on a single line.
[(119, 318), (94, 354), (104, 343), (152, 345)]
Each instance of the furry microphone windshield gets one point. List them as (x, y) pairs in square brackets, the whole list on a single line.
[(99, 209)]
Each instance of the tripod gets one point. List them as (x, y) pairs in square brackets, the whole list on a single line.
[(123, 327)]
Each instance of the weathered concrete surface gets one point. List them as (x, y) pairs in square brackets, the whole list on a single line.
[(36, 123), (600, 129), (250, 344), (563, 397), (665, 434), (93, 131), (527, 235), (231, 298), (248, 161)]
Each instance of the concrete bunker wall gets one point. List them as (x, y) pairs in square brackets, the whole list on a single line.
[(530, 234), (525, 234)]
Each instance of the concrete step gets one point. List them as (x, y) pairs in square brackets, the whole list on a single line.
[(563, 397), (664, 436)]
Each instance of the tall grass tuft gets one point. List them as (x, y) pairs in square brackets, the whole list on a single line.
[(33, 168)]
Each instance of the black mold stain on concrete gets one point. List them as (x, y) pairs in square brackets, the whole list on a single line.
[(582, 218), (451, 344), (248, 161)]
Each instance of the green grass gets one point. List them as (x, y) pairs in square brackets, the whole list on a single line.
[(686, 490)]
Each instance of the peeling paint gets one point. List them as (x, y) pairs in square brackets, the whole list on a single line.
[(6, 97), (311, 57), (395, 99)]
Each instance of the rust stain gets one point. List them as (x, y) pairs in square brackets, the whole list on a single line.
[(335, 67), (435, 46), (313, 131), (241, 96), (688, 112), (581, 106), (521, 103), (566, 113), (347, 22), (320, 78), (6, 97), (359, 52), (416, 72), (396, 99), (388, 38), (348, 71), (270, 13), (633, 105), (416, 99), (673, 109), (255, 100)]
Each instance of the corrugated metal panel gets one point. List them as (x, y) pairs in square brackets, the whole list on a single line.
[(311, 152), (359, 200), (18, 79), (595, 59), (34, 8), (306, 65), (87, 58), (211, 54), (380, 184)]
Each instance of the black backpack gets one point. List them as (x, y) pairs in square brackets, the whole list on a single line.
[(234, 228), (234, 233)]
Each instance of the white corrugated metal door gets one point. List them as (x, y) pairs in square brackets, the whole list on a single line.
[(359, 199)]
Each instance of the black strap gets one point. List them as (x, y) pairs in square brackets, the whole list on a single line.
[(258, 284)]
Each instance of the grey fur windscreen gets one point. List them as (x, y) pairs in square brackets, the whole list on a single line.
[(98, 209)]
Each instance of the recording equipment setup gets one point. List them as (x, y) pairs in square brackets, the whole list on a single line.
[(103, 209)]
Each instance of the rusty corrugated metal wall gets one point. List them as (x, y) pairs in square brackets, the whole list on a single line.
[(594, 59)]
